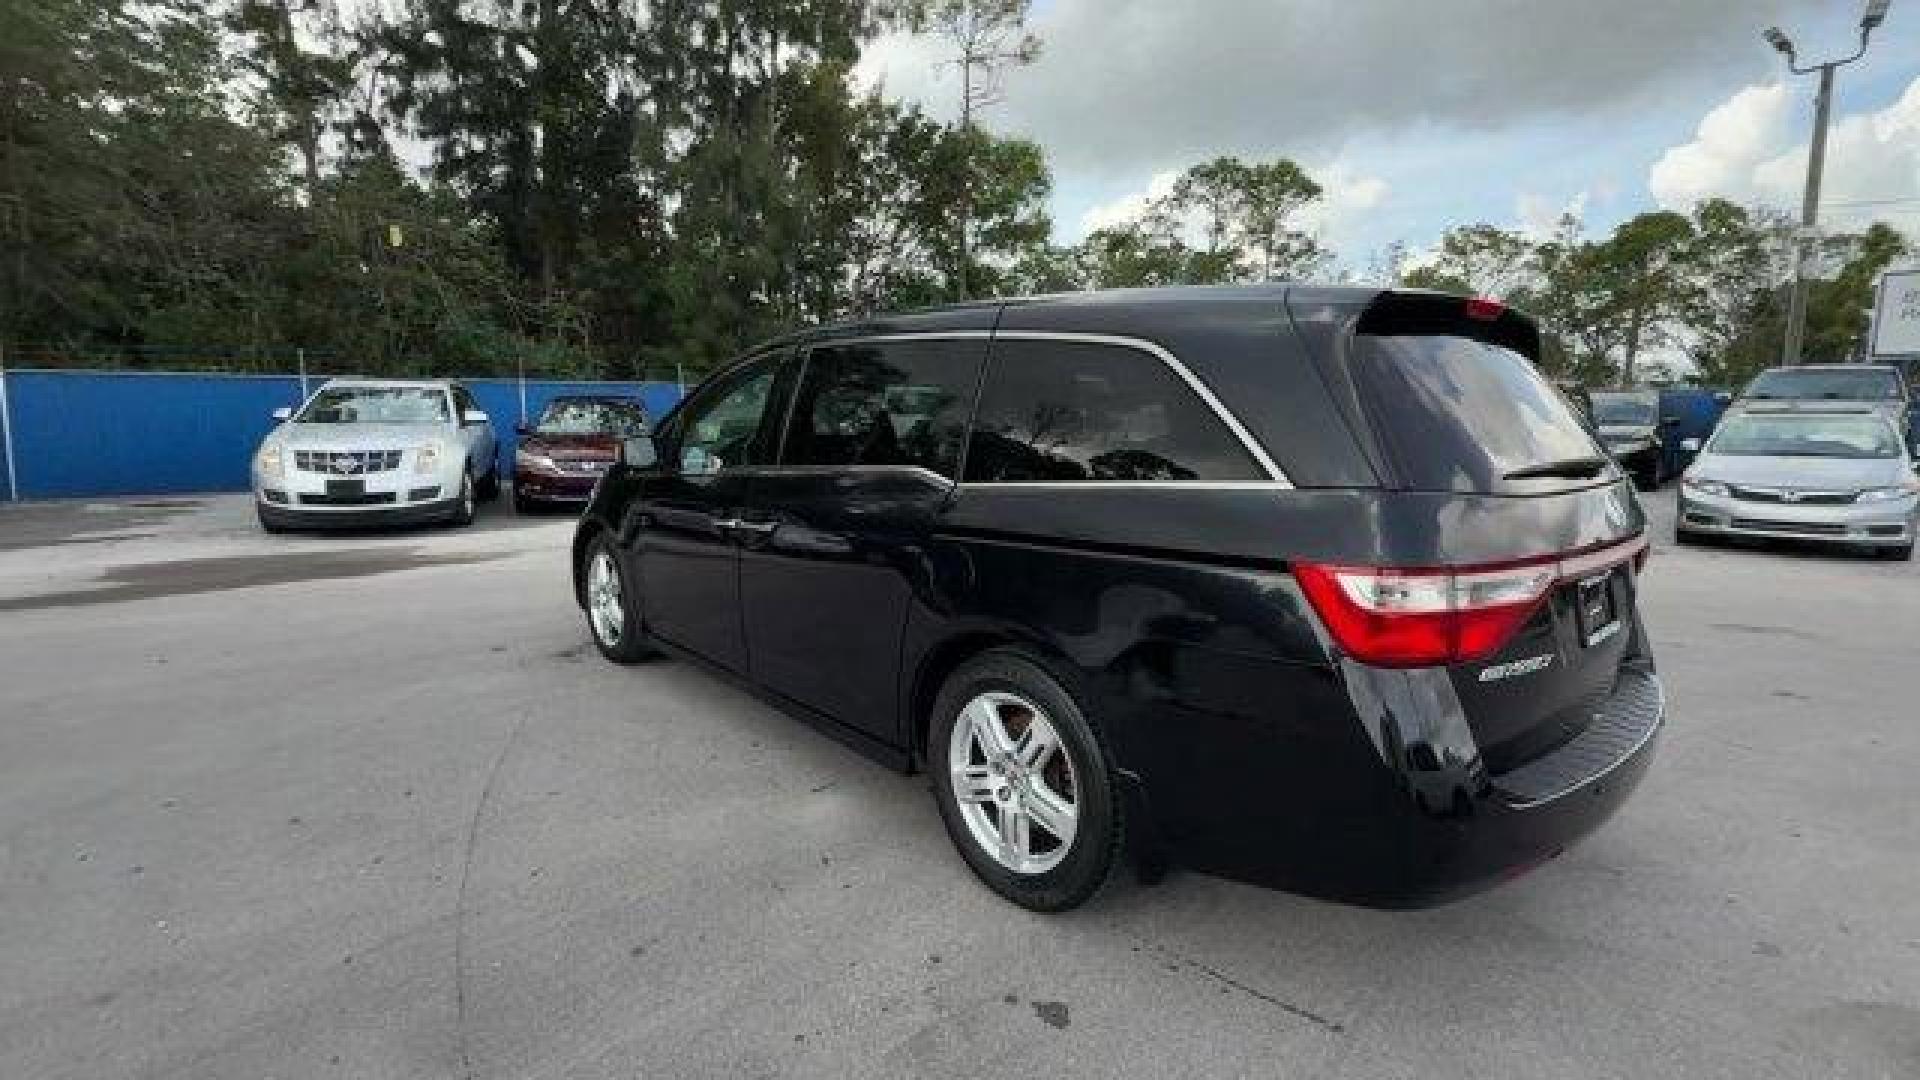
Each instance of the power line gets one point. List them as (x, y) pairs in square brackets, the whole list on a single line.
[(1870, 202)]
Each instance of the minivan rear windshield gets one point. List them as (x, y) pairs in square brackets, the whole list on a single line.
[(1624, 411), (1458, 414), (1828, 384)]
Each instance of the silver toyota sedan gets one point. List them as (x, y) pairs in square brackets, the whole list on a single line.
[(363, 452), (1841, 476)]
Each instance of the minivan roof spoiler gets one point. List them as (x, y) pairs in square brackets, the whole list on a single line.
[(1396, 312)]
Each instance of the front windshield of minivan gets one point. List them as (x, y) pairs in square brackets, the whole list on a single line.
[(377, 405), (1806, 436), (1832, 384)]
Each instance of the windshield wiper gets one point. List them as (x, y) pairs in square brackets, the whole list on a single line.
[(1572, 469)]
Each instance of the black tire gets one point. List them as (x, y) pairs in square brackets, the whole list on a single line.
[(1100, 828), (1903, 553), (1685, 537), (524, 505), (488, 489), (463, 507), (630, 645)]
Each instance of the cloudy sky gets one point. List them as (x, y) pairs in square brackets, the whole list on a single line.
[(1420, 114)]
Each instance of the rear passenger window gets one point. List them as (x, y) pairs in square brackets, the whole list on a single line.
[(899, 403), (1069, 412), (1464, 415)]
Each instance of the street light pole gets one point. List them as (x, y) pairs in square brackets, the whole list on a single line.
[(1872, 17), (1809, 217)]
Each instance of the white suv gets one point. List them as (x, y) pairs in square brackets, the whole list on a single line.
[(363, 452)]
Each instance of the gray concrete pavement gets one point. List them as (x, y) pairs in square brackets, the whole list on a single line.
[(372, 807)]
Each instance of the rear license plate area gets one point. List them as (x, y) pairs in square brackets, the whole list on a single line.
[(346, 489), (1596, 608)]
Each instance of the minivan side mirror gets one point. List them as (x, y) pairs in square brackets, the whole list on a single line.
[(639, 452), (282, 414), (1691, 446), (473, 418)]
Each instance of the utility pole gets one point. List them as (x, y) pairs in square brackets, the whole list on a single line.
[(1870, 19)]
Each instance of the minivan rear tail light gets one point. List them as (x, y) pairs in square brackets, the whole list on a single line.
[(1398, 618)]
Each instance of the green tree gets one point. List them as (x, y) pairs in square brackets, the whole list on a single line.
[(1732, 316), (1478, 260), (986, 37), (1840, 308), (301, 92)]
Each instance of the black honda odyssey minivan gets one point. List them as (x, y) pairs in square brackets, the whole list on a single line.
[(1322, 588)]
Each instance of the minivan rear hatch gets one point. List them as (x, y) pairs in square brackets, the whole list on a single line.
[(1525, 571)]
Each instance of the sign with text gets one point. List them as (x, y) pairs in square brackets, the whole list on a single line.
[(1896, 315)]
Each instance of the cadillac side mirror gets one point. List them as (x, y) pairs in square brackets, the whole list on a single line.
[(638, 452), (473, 418), (1691, 446), (282, 414)]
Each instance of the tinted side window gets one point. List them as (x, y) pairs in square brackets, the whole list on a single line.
[(1068, 411), (720, 428), (885, 403)]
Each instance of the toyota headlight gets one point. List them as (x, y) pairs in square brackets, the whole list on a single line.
[(268, 462), (1887, 494), (1704, 487), (426, 460)]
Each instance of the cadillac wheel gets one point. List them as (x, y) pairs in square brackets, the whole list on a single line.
[(611, 613), (1022, 783)]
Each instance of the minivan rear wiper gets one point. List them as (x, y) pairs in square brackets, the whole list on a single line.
[(1572, 468)]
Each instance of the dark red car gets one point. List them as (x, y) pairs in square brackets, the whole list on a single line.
[(564, 453)]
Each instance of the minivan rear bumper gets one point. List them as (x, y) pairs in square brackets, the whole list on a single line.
[(1405, 815), (1529, 815)]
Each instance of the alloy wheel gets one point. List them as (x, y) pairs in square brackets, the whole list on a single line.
[(1014, 782), (604, 605)]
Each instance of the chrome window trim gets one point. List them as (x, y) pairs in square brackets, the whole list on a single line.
[(1124, 485), (777, 471), (1277, 480)]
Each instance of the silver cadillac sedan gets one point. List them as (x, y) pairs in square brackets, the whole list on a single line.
[(363, 452), (1841, 476)]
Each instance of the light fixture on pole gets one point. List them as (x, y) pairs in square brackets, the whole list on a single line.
[(1871, 18)]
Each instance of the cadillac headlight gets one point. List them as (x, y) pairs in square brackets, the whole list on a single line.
[(426, 460), (269, 461), (1887, 494), (1704, 487)]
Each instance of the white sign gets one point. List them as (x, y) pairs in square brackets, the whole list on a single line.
[(1896, 316)]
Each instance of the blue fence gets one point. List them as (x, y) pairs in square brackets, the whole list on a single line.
[(81, 433)]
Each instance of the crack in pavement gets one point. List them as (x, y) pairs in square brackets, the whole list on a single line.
[(1301, 1012), (460, 901)]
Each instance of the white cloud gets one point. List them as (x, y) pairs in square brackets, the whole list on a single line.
[(1539, 217), (1733, 139), (1348, 195), (1752, 148), (1128, 87), (1130, 206), (911, 68)]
